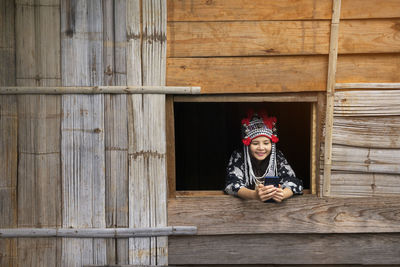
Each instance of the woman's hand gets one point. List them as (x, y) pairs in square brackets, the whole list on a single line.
[(279, 195), (265, 192)]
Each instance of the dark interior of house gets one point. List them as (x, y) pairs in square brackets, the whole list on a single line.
[(207, 133)]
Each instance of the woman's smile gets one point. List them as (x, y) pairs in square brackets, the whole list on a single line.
[(260, 147)]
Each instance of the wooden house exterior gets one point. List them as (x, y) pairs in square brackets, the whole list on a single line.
[(87, 130)]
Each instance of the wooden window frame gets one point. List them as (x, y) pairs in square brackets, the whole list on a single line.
[(317, 108)]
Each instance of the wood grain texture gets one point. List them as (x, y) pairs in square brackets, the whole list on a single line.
[(233, 10), (82, 130), (370, 160), (369, 132), (228, 10), (249, 74), (376, 68), (263, 38), (330, 95), (345, 184), (308, 213), (358, 103), (247, 38), (286, 249)]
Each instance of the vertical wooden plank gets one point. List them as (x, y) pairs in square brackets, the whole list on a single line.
[(313, 149), (8, 133), (170, 137), (333, 50), (38, 63), (82, 130)]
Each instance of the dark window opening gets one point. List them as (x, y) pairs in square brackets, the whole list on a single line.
[(207, 133)]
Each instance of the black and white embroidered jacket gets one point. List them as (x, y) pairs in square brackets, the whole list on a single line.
[(236, 177)]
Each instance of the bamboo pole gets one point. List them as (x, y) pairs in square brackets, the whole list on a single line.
[(98, 232), (333, 51), (58, 90), (367, 86)]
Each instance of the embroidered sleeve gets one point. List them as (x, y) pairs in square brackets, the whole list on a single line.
[(235, 174), (288, 177)]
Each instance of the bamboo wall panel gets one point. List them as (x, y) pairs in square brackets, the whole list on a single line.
[(116, 137), (8, 175), (286, 249), (38, 42), (263, 38), (8, 133), (233, 10), (147, 186), (82, 131), (37, 38), (308, 213), (249, 74), (7, 42)]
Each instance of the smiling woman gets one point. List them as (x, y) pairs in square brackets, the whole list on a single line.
[(249, 169)]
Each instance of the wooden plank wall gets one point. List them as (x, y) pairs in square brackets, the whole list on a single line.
[(267, 46), (366, 143)]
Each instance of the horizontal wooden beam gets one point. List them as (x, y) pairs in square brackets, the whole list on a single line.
[(281, 97), (367, 86), (98, 232), (300, 214), (285, 249), (14, 90)]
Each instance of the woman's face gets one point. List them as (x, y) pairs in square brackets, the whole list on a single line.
[(260, 147)]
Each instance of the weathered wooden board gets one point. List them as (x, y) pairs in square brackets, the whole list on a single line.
[(247, 38), (260, 38), (367, 103), (82, 130), (286, 249), (228, 215), (377, 68), (345, 184), (369, 132), (249, 74), (228, 10), (278, 74), (370, 160)]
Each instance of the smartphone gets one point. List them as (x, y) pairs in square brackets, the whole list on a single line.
[(272, 180)]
